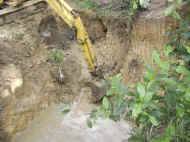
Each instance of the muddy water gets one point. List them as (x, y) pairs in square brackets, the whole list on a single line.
[(52, 126)]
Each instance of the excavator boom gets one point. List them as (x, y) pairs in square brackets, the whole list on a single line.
[(73, 19)]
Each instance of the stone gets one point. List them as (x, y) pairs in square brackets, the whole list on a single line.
[(11, 79)]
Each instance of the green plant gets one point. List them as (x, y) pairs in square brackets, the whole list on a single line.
[(132, 6), (172, 9), (113, 104), (165, 117), (160, 102), (56, 56), (179, 40), (86, 4)]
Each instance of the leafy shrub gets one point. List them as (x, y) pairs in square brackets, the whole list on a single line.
[(113, 105), (56, 56), (161, 104)]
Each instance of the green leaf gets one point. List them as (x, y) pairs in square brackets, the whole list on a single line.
[(187, 94), (182, 70), (169, 82), (156, 57), (116, 86), (109, 93), (150, 74), (176, 15), (115, 82), (180, 111), (168, 49), (135, 5), (106, 103), (169, 10), (187, 48), (65, 108), (118, 109), (141, 90), (153, 120), (179, 2), (148, 97), (170, 131), (165, 66), (136, 110), (89, 123), (167, 135)]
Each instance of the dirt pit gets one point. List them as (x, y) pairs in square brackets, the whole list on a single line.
[(30, 79)]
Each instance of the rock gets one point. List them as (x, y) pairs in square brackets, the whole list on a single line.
[(11, 79), (98, 90)]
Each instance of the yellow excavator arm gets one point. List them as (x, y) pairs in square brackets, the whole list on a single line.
[(1, 2), (71, 18)]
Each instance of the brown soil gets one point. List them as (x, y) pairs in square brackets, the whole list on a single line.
[(22, 46), (148, 34)]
